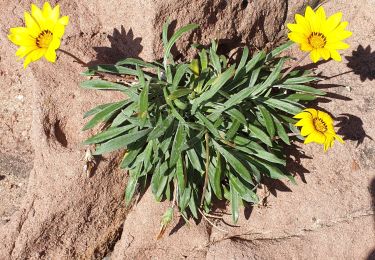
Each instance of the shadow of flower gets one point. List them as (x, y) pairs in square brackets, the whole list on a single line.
[(123, 45), (351, 128), (362, 62)]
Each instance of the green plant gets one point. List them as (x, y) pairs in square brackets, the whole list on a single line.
[(201, 130)]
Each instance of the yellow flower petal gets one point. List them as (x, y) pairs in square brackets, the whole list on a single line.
[(47, 10), (33, 56), (338, 45), (297, 37), (307, 130), (321, 13), (314, 55), (324, 53), (22, 39), (25, 50), (335, 55), (303, 114), (31, 25), (332, 22)]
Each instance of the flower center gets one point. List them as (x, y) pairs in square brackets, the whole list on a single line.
[(320, 125), (44, 39), (317, 40)]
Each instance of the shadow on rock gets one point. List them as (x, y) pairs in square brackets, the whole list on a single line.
[(123, 45), (351, 128), (362, 62)]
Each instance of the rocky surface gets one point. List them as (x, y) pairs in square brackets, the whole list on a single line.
[(56, 211)]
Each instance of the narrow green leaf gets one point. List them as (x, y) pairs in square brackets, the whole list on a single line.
[(278, 50), (175, 37), (234, 202), (270, 79), (233, 161), (121, 141), (132, 184), (107, 134), (284, 105), (258, 133), (180, 73), (179, 93), (218, 83), (302, 88), (208, 124), (105, 114), (96, 110), (281, 131), (160, 128), (180, 175), (243, 191), (178, 142), (268, 120), (129, 157)]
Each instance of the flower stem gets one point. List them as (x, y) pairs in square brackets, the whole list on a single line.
[(207, 165), (78, 60), (298, 62)]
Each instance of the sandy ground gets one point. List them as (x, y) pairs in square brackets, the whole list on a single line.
[(330, 214)]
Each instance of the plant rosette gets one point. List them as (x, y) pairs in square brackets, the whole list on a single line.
[(202, 130)]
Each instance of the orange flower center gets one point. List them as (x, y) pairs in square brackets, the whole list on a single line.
[(317, 40), (44, 39), (320, 125)]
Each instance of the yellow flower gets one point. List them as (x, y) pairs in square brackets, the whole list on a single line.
[(318, 35), (318, 127), (42, 34)]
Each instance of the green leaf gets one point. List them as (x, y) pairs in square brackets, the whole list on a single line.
[(194, 159), (302, 88), (233, 161), (258, 133), (148, 152), (179, 93), (160, 128), (270, 79), (180, 175), (215, 59), (136, 62), (300, 80), (174, 38), (105, 114), (132, 184), (218, 83), (233, 129), (121, 141), (143, 103), (303, 97), (102, 85), (107, 134), (244, 191), (208, 124), (114, 69), (215, 175), (278, 50), (203, 59), (178, 142), (281, 131), (268, 120), (284, 105), (180, 73), (129, 157), (185, 198), (254, 61), (234, 199), (96, 110)]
